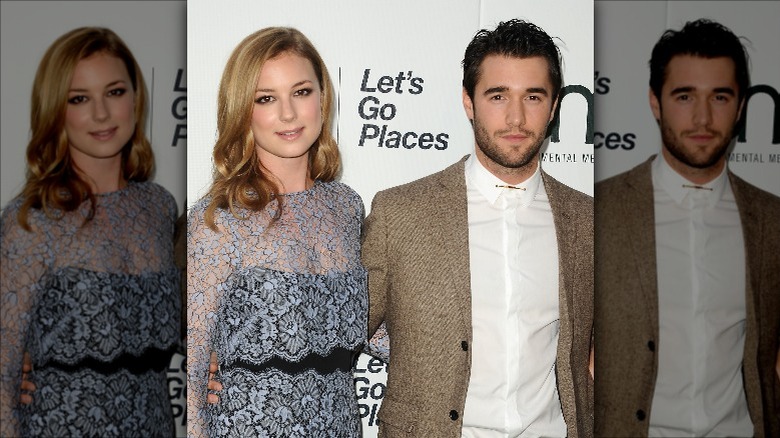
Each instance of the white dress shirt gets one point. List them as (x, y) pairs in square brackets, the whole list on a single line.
[(700, 256), (513, 253)]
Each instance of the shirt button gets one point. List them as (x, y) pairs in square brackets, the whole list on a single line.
[(651, 345), (640, 415), (464, 345), (453, 415)]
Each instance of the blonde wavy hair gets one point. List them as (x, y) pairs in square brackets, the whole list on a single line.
[(240, 181), (53, 184)]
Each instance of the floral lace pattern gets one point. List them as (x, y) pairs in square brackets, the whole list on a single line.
[(276, 404), (282, 314), (379, 344), (88, 403), (73, 290), (100, 315), (257, 292)]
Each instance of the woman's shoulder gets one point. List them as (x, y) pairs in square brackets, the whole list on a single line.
[(157, 195), (10, 213), (196, 216), (36, 218), (342, 191)]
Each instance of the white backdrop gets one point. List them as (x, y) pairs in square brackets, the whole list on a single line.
[(368, 39), (626, 32), (154, 32)]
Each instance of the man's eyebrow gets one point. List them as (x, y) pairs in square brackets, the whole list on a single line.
[(720, 90), (725, 90), (493, 90), (502, 89), (537, 90), (680, 90)]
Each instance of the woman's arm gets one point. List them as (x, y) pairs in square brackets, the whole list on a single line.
[(209, 262), (22, 264)]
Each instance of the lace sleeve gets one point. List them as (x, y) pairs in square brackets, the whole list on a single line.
[(22, 264), (210, 258), (379, 345)]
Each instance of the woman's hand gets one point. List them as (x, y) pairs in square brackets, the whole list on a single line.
[(213, 385), (28, 387)]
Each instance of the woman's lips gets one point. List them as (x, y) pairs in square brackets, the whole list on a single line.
[(291, 134), (103, 135)]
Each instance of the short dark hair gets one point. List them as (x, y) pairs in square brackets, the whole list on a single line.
[(513, 38), (702, 38)]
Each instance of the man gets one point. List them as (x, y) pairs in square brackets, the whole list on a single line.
[(687, 281), (483, 271)]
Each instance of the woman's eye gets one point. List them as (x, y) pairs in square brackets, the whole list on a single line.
[(263, 99), (75, 100)]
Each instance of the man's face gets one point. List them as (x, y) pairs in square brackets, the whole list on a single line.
[(697, 112), (512, 106)]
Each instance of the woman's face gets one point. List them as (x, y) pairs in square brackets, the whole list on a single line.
[(286, 116), (100, 117)]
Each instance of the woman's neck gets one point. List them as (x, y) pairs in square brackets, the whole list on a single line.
[(292, 175)]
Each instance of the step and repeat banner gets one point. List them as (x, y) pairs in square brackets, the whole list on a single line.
[(397, 76), (155, 32), (626, 132)]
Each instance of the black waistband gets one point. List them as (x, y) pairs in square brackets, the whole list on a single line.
[(150, 360), (338, 359)]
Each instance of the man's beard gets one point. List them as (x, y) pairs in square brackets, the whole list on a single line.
[(493, 151), (674, 145)]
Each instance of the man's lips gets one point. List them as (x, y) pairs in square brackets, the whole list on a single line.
[(104, 134), (514, 137), (701, 136), (290, 134)]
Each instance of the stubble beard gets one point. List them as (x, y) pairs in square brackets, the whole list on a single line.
[(492, 150), (674, 145)]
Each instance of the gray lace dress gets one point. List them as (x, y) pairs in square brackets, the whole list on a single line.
[(284, 308), (97, 307)]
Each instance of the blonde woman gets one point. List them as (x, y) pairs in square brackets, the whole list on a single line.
[(275, 285), (89, 288)]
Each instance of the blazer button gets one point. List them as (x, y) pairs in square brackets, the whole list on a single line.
[(453, 415), (640, 415), (464, 345), (651, 345)]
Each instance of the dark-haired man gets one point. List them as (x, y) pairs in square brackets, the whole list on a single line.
[(483, 271), (687, 305)]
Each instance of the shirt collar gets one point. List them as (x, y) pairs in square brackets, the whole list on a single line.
[(485, 183), (677, 186)]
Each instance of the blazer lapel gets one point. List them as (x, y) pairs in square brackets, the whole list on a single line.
[(638, 212), (454, 250), (567, 259), (751, 235)]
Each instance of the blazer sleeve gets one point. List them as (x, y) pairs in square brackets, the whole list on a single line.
[(376, 260)]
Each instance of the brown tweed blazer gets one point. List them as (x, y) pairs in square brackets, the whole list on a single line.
[(626, 312), (417, 255)]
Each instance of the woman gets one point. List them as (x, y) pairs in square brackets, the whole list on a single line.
[(89, 287), (275, 284)]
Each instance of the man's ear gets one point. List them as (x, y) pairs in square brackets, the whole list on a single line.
[(468, 105), (739, 119), (554, 107), (655, 105)]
